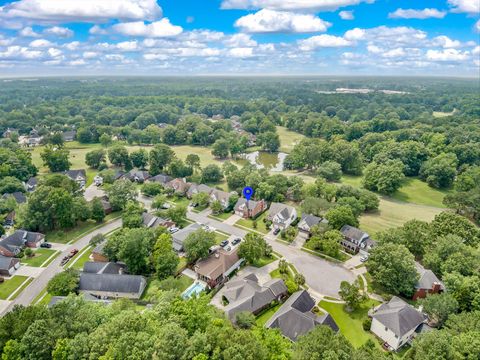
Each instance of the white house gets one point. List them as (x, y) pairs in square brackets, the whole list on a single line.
[(281, 215)]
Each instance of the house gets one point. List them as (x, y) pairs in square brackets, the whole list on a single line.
[(355, 240), (7, 133), (249, 208), (308, 221), (296, 318), (12, 245), (160, 178), (215, 269), (97, 253), (69, 135), (246, 294), (31, 184), (139, 176), (428, 283), (79, 176), (152, 221), (9, 219), (281, 215), (179, 237), (107, 280), (19, 197), (178, 185), (98, 180), (395, 322), (197, 189), (107, 207), (221, 196), (118, 175), (8, 265)]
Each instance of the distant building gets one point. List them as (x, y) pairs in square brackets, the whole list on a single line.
[(222, 197), (8, 265), (68, 136), (19, 197), (281, 215), (79, 176), (152, 221), (249, 209), (139, 176), (180, 236), (179, 186), (31, 184), (215, 269), (197, 189), (355, 240), (160, 178), (428, 283)]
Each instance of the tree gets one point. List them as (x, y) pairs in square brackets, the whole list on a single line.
[(216, 207), (439, 307), (152, 188), (299, 279), (63, 283), (105, 139), (221, 148), (178, 169), (164, 258), (160, 156), (177, 213), (201, 199), (211, 174), (133, 248), (322, 343), (197, 244), (339, 216), (245, 319), (56, 159), (327, 243), (159, 201), (252, 248), (447, 223), (95, 157), (440, 171), (139, 158), (97, 211), (193, 160), (269, 141), (118, 156), (17, 163), (120, 193), (350, 293), (132, 215), (55, 139), (385, 177), (330, 170), (392, 267)]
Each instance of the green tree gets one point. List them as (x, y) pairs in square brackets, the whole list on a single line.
[(132, 215), (350, 293), (139, 158), (322, 343), (193, 160), (63, 283), (216, 207), (221, 148), (439, 307), (164, 258), (159, 201), (252, 248), (10, 184), (134, 247), (197, 244), (120, 193), (201, 199), (386, 178), (160, 156), (105, 140), (327, 242), (330, 170), (56, 159), (269, 141), (97, 211), (339, 216), (118, 156), (245, 319), (95, 157), (447, 223), (152, 188), (440, 171), (212, 174), (177, 213)]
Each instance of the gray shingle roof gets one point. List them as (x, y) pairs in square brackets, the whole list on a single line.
[(284, 211), (74, 174), (309, 220), (111, 283), (242, 203), (17, 240), (427, 278), (6, 263), (103, 267), (160, 178), (19, 197), (180, 236), (353, 233)]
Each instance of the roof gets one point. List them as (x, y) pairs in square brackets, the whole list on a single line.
[(6, 263), (118, 174), (180, 236), (295, 318), (75, 174), (111, 283), (242, 203), (283, 211), (138, 174), (19, 197), (398, 316), (17, 240), (99, 248), (160, 178), (103, 267), (309, 220), (427, 278), (152, 221), (33, 181), (69, 135), (199, 188), (352, 233), (217, 263), (221, 195)]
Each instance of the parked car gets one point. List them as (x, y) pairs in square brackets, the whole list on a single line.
[(173, 229), (276, 231), (73, 252), (224, 243), (64, 260), (236, 241), (364, 258), (46, 245)]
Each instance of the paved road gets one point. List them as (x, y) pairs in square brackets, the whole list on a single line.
[(39, 283)]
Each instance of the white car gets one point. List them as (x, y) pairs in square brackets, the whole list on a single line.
[(173, 230)]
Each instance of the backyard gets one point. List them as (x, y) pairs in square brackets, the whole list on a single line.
[(265, 315)]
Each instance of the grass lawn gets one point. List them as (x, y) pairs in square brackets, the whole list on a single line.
[(178, 200), (264, 261), (248, 223), (264, 316), (82, 259), (205, 154), (288, 139), (416, 191), (180, 283), (219, 237), (340, 257), (350, 324), (277, 275), (181, 264), (39, 257), (10, 285), (221, 217)]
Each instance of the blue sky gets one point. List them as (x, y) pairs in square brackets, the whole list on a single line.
[(250, 37)]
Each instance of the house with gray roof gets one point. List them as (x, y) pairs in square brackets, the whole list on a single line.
[(19, 197), (249, 208), (103, 267), (356, 240), (11, 245), (69, 135), (31, 184), (179, 237), (160, 178), (139, 176), (197, 189), (153, 221), (281, 215), (428, 283), (8, 265), (395, 322), (222, 197), (308, 221), (296, 318), (79, 176)]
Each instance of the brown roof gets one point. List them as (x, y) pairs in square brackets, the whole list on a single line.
[(217, 264)]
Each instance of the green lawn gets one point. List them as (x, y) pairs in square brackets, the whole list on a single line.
[(248, 223), (340, 257), (219, 237), (204, 153), (82, 259), (10, 285), (277, 275), (221, 217), (350, 324), (264, 316), (264, 261), (288, 139), (180, 283), (179, 200), (181, 264), (416, 191), (39, 257)]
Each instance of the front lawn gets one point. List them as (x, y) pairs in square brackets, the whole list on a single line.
[(10, 285), (39, 257), (264, 260), (221, 217), (82, 259), (248, 223), (341, 256), (350, 324), (265, 315)]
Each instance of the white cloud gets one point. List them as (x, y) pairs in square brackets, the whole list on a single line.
[(55, 11), (77, 62), (28, 32), (72, 45), (394, 53), (241, 52), (114, 57), (161, 28), (54, 52), (465, 6), (151, 57), (391, 36), (40, 43), (291, 5), (127, 45), (323, 41), (417, 14), (355, 34), (374, 49), (59, 31), (97, 30), (476, 50), (477, 26), (239, 40), (446, 42), (20, 52), (265, 21), (89, 54), (451, 55), (346, 15)]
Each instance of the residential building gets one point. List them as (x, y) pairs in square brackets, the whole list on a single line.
[(179, 237), (160, 178), (428, 283), (246, 294), (79, 176), (118, 175), (9, 219), (281, 215), (197, 189), (249, 208), (221, 196), (31, 184), (98, 254), (178, 185), (308, 221), (296, 318), (152, 221), (215, 269), (8, 265), (139, 176), (12, 245), (19, 197), (355, 240), (98, 180), (69, 135), (94, 267), (395, 322), (107, 207)]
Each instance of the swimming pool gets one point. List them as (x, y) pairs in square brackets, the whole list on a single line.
[(193, 290)]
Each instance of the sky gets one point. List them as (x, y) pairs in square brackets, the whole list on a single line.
[(240, 37)]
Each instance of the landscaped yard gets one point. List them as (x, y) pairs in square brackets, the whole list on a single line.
[(248, 223), (10, 285), (264, 316), (39, 257), (288, 139), (82, 259), (221, 217), (180, 283), (340, 257), (219, 237), (264, 261), (350, 324)]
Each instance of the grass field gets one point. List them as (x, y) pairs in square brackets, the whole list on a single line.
[(350, 324), (288, 139), (205, 154), (248, 223), (264, 261), (418, 192), (10, 285), (82, 259), (38, 258), (264, 316), (440, 114)]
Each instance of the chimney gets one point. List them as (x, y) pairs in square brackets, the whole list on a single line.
[(436, 288)]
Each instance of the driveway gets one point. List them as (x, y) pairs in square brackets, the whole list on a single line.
[(93, 191), (232, 219)]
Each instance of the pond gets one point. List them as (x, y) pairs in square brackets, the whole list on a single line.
[(270, 161)]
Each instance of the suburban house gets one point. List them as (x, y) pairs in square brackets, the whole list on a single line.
[(428, 283), (222, 196), (69, 135), (178, 185), (295, 317), (31, 184), (152, 221), (107, 280), (7, 133), (98, 180), (97, 253), (249, 208), (246, 294), (107, 207), (308, 221), (118, 175), (8, 265), (395, 322), (215, 269), (281, 215), (9, 219), (19, 197), (355, 240), (139, 176), (179, 237), (160, 178), (79, 176), (197, 189), (12, 245)]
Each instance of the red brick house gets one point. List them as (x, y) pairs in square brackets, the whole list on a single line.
[(250, 208), (428, 283), (215, 269)]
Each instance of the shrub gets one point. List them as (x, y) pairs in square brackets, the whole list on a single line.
[(366, 324), (291, 286), (28, 252), (245, 319)]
